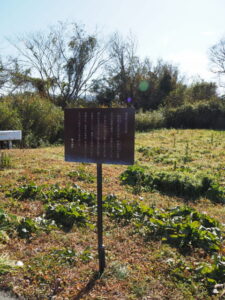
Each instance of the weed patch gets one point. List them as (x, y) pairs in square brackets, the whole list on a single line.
[(69, 194), (82, 175), (174, 183), (65, 216), (5, 161), (28, 191)]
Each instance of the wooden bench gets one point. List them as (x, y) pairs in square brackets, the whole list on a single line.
[(9, 136)]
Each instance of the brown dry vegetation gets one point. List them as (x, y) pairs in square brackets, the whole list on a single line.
[(136, 268)]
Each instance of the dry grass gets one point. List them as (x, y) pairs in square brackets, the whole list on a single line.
[(136, 269)]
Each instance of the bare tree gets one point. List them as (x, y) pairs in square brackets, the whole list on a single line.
[(217, 58), (61, 62), (123, 65), (3, 76)]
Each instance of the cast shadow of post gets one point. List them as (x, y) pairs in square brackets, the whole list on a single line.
[(89, 286)]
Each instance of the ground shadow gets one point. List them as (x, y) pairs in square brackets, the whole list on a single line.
[(89, 286)]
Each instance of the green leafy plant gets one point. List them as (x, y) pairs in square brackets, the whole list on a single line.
[(82, 175), (182, 227), (26, 228), (69, 194), (174, 183), (65, 216), (211, 274), (185, 228), (65, 256), (8, 222), (28, 191), (53, 193)]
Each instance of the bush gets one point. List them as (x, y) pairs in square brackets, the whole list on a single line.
[(149, 120), (9, 117), (208, 115), (40, 120)]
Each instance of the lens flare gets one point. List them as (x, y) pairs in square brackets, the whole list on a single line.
[(129, 100), (143, 86)]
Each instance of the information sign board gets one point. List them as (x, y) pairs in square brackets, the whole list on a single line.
[(100, 135), (10, 135)]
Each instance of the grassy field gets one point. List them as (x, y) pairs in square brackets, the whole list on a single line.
[(163, 222)]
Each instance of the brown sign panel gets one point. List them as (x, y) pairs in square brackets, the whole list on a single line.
[(100, 135)]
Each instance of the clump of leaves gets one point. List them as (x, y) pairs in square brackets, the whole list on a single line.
[(124, 211), (65, 256), (28, 191), (26, 228), (212, 274), (8, 224), (69, 194), (23, 227), (82, 175), (86, 255), (65, 216), (184, 228)]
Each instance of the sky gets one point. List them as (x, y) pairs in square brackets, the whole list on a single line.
[(177, 31)]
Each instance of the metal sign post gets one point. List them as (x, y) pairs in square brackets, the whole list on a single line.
[(102, 136), (101, 249)]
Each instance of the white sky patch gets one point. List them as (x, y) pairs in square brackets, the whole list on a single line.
[(192, 63), (208, 33)]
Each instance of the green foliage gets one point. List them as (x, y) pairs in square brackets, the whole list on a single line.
[(119, 210), (213, 274), (9, 117), (70, 257), (174, 183), (39, 119), (86, 255), (66, 206), (7, 221), (52, 194), (65, 216), (134, 175), (145, 121), (119, 271), (26, 228), (10, 224), (69, 194), (82, 175), (66, 256), (183, 227), (28, 191), (202, 90), (5, 160), (208, 114)]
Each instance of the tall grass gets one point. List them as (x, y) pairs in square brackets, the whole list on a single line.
[(5, 161)]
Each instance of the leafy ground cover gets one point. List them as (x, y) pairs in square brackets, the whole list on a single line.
[(163, 239)]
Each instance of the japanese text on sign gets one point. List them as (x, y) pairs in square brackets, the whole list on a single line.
[(99, 135)]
